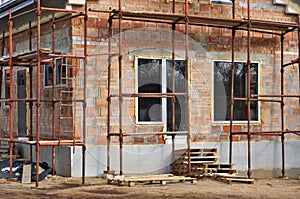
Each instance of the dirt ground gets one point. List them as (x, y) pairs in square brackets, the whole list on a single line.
[(61, 187)]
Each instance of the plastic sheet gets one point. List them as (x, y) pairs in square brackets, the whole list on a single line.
[(17, 168)]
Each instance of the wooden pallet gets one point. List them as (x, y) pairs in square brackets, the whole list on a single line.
[(202, 160), (151, 179)]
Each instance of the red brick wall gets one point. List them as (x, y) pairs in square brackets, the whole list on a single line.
[(216, 43), (206, 44)]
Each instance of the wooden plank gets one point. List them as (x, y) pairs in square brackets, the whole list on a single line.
[(199, 162), (202, 157), (130, 184), (111, 172), (226, 175), (163, 182), (203, 153), (145, 177), (230, 180), (26, 175)]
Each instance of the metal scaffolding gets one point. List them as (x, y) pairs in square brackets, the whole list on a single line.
[(38, 57), (248, 25), (35, 58)]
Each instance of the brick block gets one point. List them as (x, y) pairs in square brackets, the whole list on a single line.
[(138, 140), (101, 140), (223, 137), (215, 129)]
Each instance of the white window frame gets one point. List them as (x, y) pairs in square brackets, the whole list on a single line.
[(57, 84), (213, 96), (164, 89)]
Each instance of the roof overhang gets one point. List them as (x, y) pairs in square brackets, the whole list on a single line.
[(13, 5)]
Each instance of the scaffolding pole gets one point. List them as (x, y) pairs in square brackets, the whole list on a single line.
[(173, 88), (108, 94), (34, 59), (120, 87), (11, 104), (187, 116), (282, 104)]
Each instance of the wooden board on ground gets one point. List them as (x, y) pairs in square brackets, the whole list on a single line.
[(230, 180), (26, 175), (162, 179), (226, 175)]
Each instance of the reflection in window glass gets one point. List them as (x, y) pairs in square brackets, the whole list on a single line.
[(7, 85), (155, 76), (60, 74), (222, 90), (149, 81)]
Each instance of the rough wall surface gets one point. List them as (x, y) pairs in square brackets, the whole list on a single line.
[(154, 40), (206, 44)]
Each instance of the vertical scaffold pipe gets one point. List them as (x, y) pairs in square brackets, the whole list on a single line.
[(248, 90), (120, 88), (173, 90), (53, 94), (233, 31), (108, 94), (231, 95), (30, 93), (85, 94), (11, 104), (282, 105), (38, 91), (187, 83)]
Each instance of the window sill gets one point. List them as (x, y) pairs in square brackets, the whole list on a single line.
[(149, 123)]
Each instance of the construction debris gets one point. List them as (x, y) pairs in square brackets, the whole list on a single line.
[(17, 170)]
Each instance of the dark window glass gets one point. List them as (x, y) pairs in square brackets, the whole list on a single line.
[(60, 73), (7, 84), (180, 100), (155, 76), (222, 88), (222, 1), (149, 81)]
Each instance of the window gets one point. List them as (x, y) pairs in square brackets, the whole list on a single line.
[(7, 85), (222, 90), (60, 73), (222, 1), (155, 76)]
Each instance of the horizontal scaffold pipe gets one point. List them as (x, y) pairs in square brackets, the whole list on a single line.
[(270, 133), (60, 10), (151, 95), (291, 96), (150, 133)]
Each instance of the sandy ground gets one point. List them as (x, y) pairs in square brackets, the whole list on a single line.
[(61, 187)]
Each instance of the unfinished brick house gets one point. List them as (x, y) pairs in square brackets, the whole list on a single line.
[(121, 85)]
